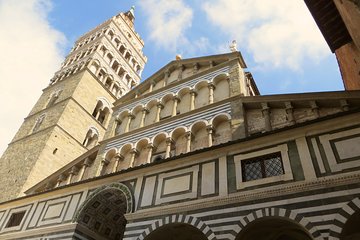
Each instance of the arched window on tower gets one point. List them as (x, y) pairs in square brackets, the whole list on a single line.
[(91, 138), (101, 112), (127, 56), (122, 49)]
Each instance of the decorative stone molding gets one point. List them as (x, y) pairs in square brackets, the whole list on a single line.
[(179, 218)]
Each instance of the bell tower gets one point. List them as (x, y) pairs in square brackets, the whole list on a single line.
[(73, 112)]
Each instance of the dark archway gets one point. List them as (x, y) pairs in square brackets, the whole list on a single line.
[(273, 228), (101, 216), (351, 230), (176, 231)]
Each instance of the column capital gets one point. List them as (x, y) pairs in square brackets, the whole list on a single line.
[(160, 105), (134, 151), (118, 120), (131, 116), (188, 134), (210, 128), (61, 178), (193, 92), (146, 110), (87, 162), (150, 146), (176, 98), (288, 105), (211, 85), (74, 170), (167, 72), (315, 108), (104, 161), (119, 157), (169, 140), (49, 186)]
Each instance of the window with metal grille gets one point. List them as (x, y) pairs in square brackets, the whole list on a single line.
[(262, 167), (15, 219)]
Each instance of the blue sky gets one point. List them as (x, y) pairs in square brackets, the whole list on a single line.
[(311, 74), (279, 41)]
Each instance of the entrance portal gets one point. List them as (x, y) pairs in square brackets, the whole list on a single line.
[(176, 231), (102, 214), (351, 229), (273, 228)]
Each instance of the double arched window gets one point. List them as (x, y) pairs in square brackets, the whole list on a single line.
[(101, 111)]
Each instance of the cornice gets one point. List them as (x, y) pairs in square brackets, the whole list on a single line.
[(250, 195)]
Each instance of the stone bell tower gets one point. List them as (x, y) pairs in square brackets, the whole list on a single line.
[(73, 112)]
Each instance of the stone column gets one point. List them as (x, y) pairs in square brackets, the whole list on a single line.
[(129, 84), (73, 172), (98, 71), (176, 100), (169, 141), (158, 111), (118, 157), (123, 79), (86, 140), (118, 69), (211, 87), (315, 108), (143, 116), (97, 114), (48, 186), (188, 141), (112, 85), (105, 53), (86, 164), (130, 117), (152, 84), (60, 179), (112, 61), (166, 77), (181, 70), (210, 130), (103, 164), (192, 99), (290, 112), (133, 153), (117, 125), (195, 68), (266, 114), (150, 148), (211, 64)]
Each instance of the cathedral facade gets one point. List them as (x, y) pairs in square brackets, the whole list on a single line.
[(192, 152)]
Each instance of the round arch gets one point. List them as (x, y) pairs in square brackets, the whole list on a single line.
[(103, 211), (219, 76), (274, 228), (179, 219), (278, 213), (342, 228)]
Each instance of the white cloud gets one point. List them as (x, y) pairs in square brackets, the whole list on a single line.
[(277, 33), (30, 53), (168, 21)]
